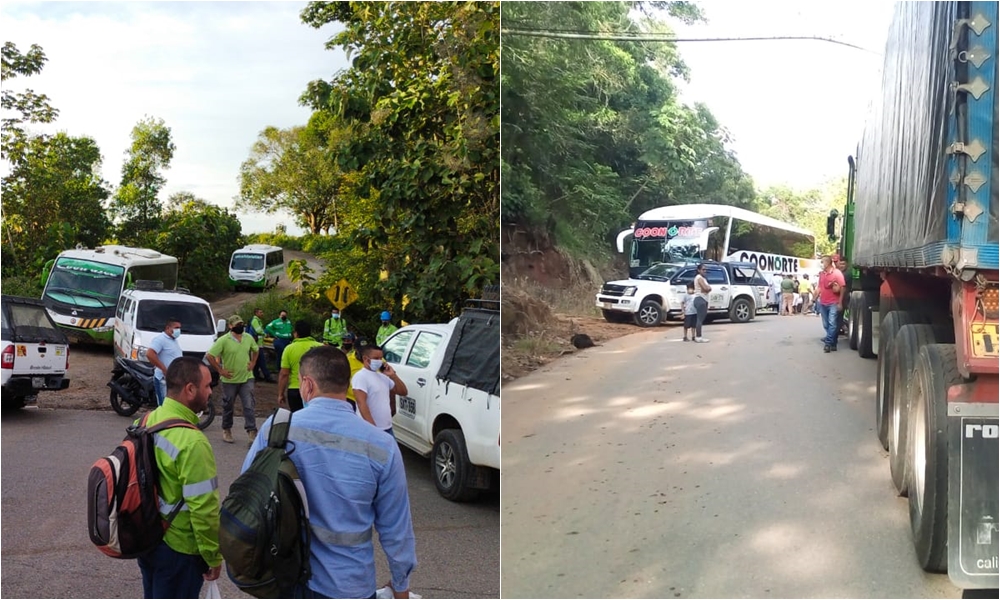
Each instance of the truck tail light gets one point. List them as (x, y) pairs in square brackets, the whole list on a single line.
[(8, 357)]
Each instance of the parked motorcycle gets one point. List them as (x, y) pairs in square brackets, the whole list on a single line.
[(132, 388)]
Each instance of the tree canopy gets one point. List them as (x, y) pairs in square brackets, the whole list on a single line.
[(136, 204)]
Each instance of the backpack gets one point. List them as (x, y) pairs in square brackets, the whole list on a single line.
[(264, 523), (123, 500)]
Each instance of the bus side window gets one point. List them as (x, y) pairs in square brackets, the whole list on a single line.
[(716, 242)]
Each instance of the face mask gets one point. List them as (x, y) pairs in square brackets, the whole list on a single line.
[(335, 315), (375, 364), (284, 318), (176, 333), (347, 348), (238, 329)]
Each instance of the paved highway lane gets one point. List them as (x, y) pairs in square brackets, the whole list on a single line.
[(745, 467), (46, 553)]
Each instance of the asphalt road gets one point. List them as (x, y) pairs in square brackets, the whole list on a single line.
[(743, 468), (46, 457)]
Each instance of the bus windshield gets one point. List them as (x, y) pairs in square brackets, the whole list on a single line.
[(247, 262), (85, 283), (669, 242)]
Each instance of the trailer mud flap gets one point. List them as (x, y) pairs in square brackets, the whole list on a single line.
[(973, 503)]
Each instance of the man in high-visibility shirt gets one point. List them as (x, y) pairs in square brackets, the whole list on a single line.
[(386, 329), (189, 554), (334, 328), (288, 377)]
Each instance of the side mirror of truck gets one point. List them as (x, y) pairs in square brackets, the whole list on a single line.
[(220, 327), (831, 225)]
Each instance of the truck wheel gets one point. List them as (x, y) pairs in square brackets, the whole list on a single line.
[(905, 349), (650, 314), (741, 311), (936, 370), (614, 316), (865, 349), (451, 467), (852, 319), (884, 379), (15, 403)]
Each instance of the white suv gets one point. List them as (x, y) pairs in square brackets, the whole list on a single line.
[(142, 313), (738, 291), (35, 352)]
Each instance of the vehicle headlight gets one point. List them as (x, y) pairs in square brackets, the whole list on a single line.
[(139, 353), (259, 277), (630, 291)]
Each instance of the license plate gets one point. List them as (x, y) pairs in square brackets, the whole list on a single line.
[(985, 339), (606, 304), (37, 382), (407, 405)]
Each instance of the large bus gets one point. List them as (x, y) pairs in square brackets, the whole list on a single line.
[(82, 286), (687, 232), (256, 266)]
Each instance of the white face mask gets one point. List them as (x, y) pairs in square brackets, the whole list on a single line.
[(375, 364)]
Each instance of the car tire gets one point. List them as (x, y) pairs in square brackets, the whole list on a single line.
[(741, 311), (650, 314), (905, 349), (884, 371), (865, 349), (451, 467), (927, 454), (853, 304)]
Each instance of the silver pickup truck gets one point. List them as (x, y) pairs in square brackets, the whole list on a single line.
[(35, 353)]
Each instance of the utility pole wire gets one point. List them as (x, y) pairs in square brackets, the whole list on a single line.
[(647, 37)]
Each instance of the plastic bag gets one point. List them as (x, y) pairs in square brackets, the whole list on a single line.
[(386, 592), (212, 590)]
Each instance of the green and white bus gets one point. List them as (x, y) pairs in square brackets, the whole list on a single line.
[(82, 286), (256, 266)]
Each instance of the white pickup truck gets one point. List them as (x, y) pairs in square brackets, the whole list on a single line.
[(452, 411), (35, 352)]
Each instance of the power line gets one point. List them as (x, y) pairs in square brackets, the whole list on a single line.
[(649, 37)]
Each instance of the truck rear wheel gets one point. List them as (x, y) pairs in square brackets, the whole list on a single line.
[(905, 349), (650, 314), (741, 311), (451, 466), (891, 324), (927, 455), (852, 319), (865, 349)]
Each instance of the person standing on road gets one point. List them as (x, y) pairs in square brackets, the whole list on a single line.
[(701, 289), (690, 312), (231, 355), (189, 553), (776, 291), (375, 389), (354, 360), (260, 370), (386, 329), (334, 328), (787, 295), (354, 478), (281, 330), (805, 290), (831, 288), (162, 351), (288, 377)]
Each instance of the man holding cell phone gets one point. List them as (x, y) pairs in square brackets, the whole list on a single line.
[(375, 389)]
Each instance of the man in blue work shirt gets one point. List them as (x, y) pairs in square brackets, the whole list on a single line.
[(161, 352), (354, 479)]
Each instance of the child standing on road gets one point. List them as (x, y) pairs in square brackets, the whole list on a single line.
[(690, 312)]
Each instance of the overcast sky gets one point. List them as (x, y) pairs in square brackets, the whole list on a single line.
[(217, 72), (220, 72)]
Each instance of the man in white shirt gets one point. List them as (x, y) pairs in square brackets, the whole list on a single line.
[(375, 389)]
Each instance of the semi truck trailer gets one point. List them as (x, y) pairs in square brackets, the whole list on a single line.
[(919, 232)]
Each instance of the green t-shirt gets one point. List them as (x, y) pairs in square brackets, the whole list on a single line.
[(234, 356), (292, 356), (280, 329), (787, 286)]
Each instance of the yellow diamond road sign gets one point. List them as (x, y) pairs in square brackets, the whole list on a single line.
[(341, 294)]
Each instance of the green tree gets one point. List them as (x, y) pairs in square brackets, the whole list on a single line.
[(136, 205), (24, 107), (53, 199), (291, 169), (203, 237), (421, 102)]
